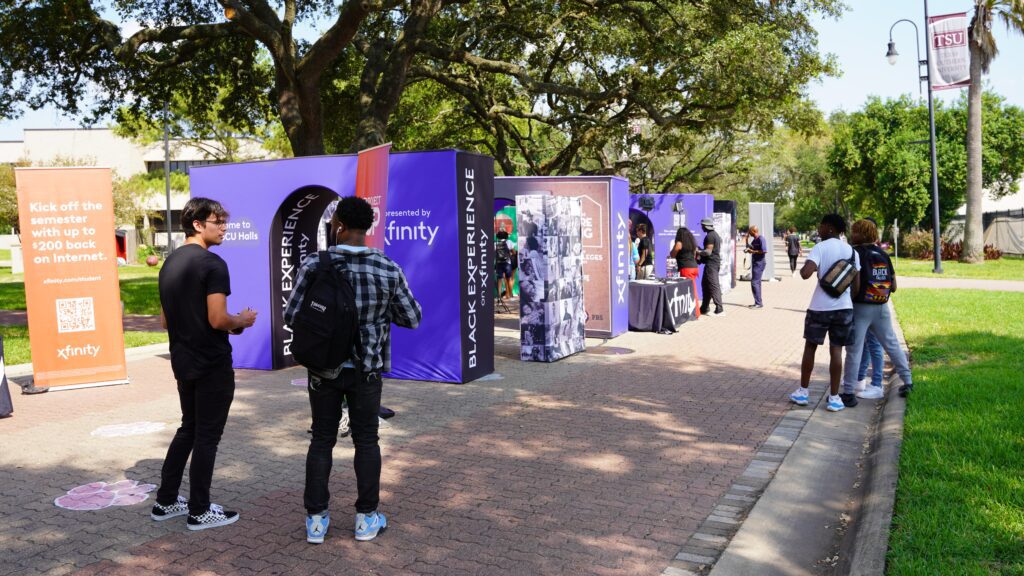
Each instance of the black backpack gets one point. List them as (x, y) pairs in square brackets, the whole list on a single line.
[(326, 326), (876, 276)]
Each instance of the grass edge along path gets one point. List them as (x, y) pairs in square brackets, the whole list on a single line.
[(1003, 269), (960, 498), (17, 349)]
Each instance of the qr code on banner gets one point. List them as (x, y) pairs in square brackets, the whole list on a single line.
[(75, 315)]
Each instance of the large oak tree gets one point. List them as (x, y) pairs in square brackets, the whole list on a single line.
[(658, 90)]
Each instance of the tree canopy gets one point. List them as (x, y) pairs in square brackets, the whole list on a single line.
[(634, 87)]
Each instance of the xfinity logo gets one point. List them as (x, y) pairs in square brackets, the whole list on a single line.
[(681, 304), (621, 257), (317, 306), (70, 351)]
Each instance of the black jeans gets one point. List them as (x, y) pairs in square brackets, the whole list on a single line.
[(710, 290), (204, 411), (325, 396), (792, 262)]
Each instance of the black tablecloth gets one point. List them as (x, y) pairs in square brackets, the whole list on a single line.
[(661, 307)]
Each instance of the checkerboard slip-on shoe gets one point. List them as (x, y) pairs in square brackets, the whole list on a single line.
[(161, 512), (215, 517), (368, 526), (316, 527)]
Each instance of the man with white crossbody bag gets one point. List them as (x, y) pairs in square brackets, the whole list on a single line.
[(837, 267)]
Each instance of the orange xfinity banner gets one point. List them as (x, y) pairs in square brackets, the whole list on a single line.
[(372, 186), (71, 287)]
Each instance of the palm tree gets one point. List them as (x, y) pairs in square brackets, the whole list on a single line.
[(983, 50)]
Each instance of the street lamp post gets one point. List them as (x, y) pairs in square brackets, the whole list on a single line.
[(891, 55)]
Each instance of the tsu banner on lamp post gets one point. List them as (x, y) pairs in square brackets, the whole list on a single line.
[(951, 60), (372, 186), (71, 287)]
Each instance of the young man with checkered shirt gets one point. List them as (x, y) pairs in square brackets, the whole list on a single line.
[(382, 297)]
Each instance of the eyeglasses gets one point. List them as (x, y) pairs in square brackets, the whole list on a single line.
[(220, 223)]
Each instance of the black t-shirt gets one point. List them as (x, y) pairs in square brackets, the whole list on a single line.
[(793, 245), (646, 244), (189, 274), (715, 258), (685, 258)]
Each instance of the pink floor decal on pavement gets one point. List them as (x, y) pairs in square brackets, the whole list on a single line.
[(98, 495)]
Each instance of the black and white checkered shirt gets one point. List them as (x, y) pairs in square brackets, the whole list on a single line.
[(382, 296)]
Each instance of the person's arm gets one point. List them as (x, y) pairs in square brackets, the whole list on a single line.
[(709, 248), (217, 314), (405, 310), (675, 249), (302, 280), (643, 253), (809, 268), (163, 319)]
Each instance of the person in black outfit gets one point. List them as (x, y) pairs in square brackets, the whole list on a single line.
[(194, 286), (757, 249), (711, 257), (645, 269), (793, 249)]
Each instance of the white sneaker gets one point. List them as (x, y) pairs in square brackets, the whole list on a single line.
[(860, 386), (871, 393), (799, 397)]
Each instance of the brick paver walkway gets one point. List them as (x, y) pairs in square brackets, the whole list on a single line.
[(598, 464)]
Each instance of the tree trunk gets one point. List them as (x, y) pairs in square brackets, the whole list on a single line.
[(973, 245), (301, 114)]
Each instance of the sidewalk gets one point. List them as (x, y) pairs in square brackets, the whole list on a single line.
[(597, 464)]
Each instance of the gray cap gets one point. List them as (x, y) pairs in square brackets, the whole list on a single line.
[(707, 222)]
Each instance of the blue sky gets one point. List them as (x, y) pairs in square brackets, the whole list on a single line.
[(858, 40)]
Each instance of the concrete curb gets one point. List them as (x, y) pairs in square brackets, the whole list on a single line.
[(875, 516)]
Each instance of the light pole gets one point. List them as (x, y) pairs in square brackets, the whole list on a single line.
[(167, 181), (891, 56)]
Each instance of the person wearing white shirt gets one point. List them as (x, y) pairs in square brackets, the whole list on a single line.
[(828, 315)]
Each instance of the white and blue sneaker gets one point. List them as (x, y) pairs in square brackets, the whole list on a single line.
[(369, 525), (799, 397), (835, 403), (316, 527)]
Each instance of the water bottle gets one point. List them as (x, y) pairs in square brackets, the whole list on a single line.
[(671, 272)]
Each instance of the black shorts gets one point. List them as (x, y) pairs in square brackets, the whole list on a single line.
[(504, 270), (838, 324)]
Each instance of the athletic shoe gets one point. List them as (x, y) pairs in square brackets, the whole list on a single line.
[(369, 525), (860, 386), (799, 397), (872, 393), (720, 314), (215, 517), (316, 527), (835, 404), (755, 306), (849, 400), (343, 427), (906, 389), (161, 512)]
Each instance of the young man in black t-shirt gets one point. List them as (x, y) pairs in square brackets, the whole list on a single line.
[(645, 269), (194, 286)]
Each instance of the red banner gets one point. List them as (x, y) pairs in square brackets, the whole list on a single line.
[(372, 186), (950, 62), (71, 286)]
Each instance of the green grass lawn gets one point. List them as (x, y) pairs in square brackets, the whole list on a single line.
[(138, 289), (5, 254), (1002, 269), (960, 498), (16, 346)]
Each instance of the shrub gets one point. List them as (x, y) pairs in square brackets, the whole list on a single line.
[(144, 251), (917, 244), (992, 253)]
